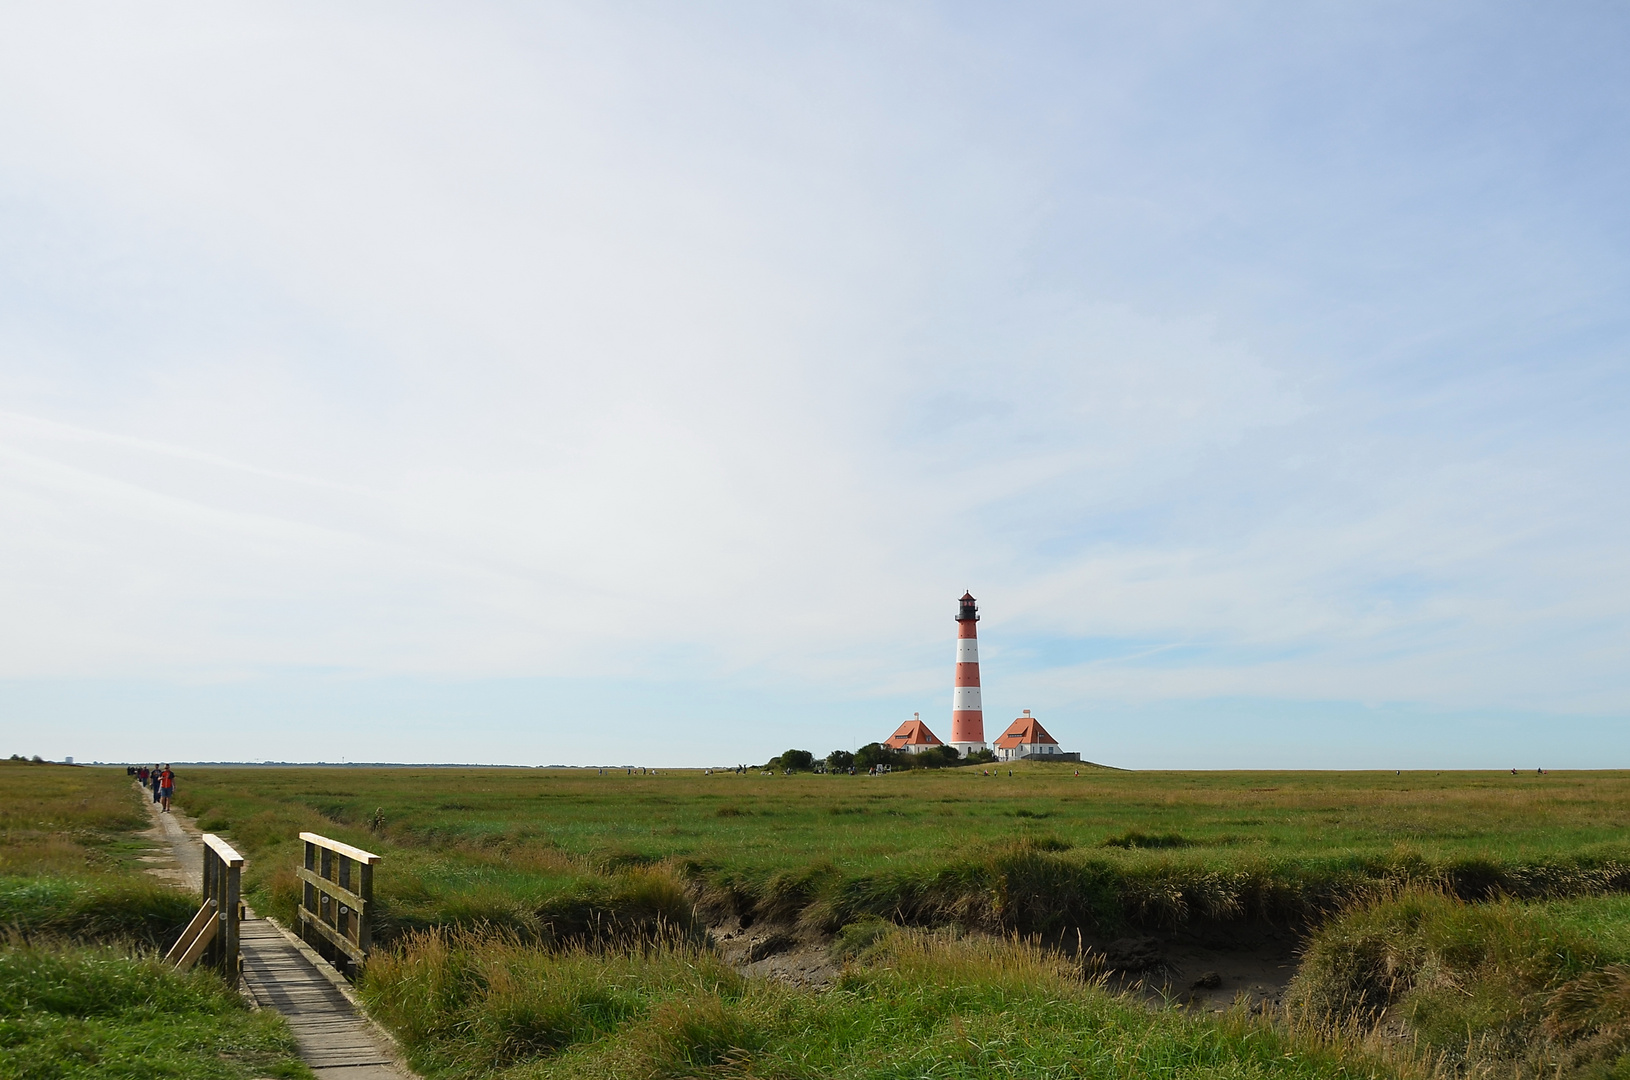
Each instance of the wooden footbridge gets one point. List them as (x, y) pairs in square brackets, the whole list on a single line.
[(279, 970)]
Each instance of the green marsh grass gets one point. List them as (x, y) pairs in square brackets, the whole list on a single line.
[(82, 991), (70, 1011), (1038, 852), (98, 907), (526, 895), (67, 859), (471, 1005)]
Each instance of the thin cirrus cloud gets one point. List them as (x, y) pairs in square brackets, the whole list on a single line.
[(695, 360)]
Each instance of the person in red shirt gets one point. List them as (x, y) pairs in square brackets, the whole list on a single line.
[(166, 787)]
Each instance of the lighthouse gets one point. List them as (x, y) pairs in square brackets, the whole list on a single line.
[(967, 713)]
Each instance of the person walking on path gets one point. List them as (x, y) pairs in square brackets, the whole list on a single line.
[(166, 787)]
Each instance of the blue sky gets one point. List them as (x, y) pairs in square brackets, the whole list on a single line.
[(606, 383)]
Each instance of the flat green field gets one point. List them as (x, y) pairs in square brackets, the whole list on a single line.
[(1043, 848), (564, 923), (867, 823)]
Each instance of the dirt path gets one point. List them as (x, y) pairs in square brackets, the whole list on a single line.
[(280, 972), (178, 854)]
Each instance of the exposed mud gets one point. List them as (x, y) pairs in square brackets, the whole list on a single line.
[(776, 952), (1206, 968)]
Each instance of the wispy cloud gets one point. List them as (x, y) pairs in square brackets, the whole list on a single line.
[(1225, 356)]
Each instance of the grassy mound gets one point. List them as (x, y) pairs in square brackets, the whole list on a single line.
[(94, 908), (69, 1012), (1501, 984)]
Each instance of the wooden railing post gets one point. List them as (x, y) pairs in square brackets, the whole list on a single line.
[(337, 900), (212, 936), (365, 889)]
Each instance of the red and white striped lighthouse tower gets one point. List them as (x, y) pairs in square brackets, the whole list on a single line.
[(967, 712)]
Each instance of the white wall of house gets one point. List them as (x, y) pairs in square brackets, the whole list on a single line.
[(1026, 748)]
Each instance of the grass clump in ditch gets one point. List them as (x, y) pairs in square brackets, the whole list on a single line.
[(70, 1011), (466, 1002), (1499, 985)]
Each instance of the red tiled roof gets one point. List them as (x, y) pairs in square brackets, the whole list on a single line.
[(912, 733), (1026, 729)]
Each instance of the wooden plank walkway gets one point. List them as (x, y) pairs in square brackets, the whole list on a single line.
[(335, 1039)]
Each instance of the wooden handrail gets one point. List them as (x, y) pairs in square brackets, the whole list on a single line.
[(337, 891), (368, 858), (225, 850), (212, 935)]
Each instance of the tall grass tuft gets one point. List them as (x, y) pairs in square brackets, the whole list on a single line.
[(494, 998), (698, 1035), (94, 908), (924, 1004), (1498, 984)]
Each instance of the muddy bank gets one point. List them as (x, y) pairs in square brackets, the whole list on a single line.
[(1205, 967)]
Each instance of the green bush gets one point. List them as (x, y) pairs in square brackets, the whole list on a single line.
[(939, 757), (795, 760), (874, 754)]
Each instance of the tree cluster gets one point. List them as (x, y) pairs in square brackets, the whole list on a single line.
[(792, 760), (872, 755)]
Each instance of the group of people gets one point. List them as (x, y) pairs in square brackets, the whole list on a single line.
[(160, 780)]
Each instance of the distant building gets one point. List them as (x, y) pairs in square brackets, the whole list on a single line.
[(1026, 738), (967, 708), (913, 737)]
